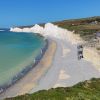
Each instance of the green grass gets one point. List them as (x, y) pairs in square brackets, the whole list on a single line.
[(83, 26), (88, 90), (86, 33), (98, 48)]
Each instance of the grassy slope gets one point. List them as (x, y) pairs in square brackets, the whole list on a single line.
[(88, 90), (81, 26)]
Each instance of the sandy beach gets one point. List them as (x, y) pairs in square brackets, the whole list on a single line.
[(31, 79), (66, 69), (59, 67)]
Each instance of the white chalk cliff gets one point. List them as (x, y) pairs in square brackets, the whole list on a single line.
[(50, 30), (36, 29)]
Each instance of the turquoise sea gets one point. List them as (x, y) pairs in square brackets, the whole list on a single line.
[(17, 50)]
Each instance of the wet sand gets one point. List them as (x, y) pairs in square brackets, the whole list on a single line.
[(32, 78)]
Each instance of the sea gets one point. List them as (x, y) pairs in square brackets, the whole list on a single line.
[(17, 50)]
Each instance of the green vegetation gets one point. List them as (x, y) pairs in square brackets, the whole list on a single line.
[(86, 27), (88, 90), (98, 48)]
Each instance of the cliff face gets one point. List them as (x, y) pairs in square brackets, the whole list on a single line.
[(49, 30), (36, 29), (53, 31)]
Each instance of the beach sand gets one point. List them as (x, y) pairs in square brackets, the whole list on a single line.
[(91, 55), (66, 70), (61, 70), (31, 79)]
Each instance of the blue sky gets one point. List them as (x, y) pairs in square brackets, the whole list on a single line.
[(28, 12)]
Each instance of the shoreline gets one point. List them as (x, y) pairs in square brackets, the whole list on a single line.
[(30, 80), (25, 70)]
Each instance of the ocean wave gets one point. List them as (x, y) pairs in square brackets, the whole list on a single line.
[(2, 30)]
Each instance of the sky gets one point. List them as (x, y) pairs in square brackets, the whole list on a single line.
[(28, 12)]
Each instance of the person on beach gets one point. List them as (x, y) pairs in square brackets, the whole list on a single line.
[(80, 51)]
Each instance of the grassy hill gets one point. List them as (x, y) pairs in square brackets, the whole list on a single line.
[(84, 26), (79, 21), (88, 90)]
